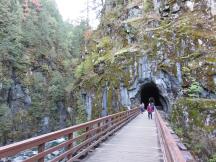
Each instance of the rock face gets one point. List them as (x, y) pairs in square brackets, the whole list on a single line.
[(163, 50), (18, 105), (168, 65), (18, 97), (212, 6), (194, 120)]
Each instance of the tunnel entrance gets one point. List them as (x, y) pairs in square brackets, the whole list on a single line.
[(150, 92)]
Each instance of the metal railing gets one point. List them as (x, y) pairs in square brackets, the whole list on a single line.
[(170, 149), (88, 136)]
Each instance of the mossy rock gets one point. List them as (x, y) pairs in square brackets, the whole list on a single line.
[(195, 132), (148, 5), (197, 109)]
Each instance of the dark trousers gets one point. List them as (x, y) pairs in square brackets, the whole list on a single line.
[(150, 115)]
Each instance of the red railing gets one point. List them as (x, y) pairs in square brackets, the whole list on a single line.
[(87, 136), (170, 149)]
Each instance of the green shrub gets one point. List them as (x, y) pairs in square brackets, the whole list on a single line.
[(213, 159), (195, 89)]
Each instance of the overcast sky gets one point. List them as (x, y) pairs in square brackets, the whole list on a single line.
[(74, 10)]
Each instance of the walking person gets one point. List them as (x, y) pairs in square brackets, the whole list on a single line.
[(142, 108), (150, 109), (153, 105)]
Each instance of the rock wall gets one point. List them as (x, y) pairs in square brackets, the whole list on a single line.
[(194, 120), (25, 118)]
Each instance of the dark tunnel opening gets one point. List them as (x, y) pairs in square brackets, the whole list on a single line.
[(150, 91)]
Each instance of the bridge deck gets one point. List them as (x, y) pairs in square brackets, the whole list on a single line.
[(136, 142)]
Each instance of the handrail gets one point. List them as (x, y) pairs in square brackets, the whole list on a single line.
[(171, 150), (90, 134)]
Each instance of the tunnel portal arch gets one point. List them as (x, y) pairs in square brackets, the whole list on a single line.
[(150, 91)]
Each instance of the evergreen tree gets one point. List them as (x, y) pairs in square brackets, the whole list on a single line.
[(39, 51)]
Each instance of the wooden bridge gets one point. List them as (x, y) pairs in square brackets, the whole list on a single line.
[(123, 137)]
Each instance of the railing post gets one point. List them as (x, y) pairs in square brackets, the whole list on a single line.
[(123, 116), (41, 148), (129, 113), (86, 130), (126, 116), (89, 128), (117, 118), (107, 124), (99, 129), (70, 136)]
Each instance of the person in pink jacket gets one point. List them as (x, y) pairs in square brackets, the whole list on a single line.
[(150, 109)]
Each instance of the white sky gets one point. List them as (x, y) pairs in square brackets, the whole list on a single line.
[(74, 10)]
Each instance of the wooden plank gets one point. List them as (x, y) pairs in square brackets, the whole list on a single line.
[(122, 123), (135, 142)]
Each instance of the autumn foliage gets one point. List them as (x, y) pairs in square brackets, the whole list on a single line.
[(27, 3)]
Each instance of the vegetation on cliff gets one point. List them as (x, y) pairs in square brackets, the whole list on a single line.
[(179, 37), (38, 53), (194, 120)]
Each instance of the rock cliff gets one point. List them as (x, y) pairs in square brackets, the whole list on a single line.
[(160, 49)]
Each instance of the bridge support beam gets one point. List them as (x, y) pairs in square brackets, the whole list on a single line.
[(41, 148)]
